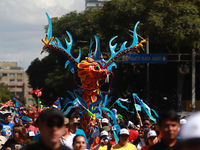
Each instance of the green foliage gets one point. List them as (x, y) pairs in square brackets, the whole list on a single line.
[(5, 94), (169, 24)]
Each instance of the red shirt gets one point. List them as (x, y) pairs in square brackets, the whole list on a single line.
[(133, 135)]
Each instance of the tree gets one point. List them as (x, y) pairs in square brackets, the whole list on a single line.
[(171, 25)]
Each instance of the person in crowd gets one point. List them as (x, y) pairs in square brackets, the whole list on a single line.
[(67, 138), (18, 140), (190, 133), (133, 135), (147, 122), (50, 123), (104, 143), (123, 141), (79, 142), (142, 138), (7, 125), (29, 127), (74, 126), (152, 139), (96, 133), (112, 140), (169, 125), (158, 132), (97, 139), (2, 138)]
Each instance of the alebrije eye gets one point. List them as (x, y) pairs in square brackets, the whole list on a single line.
[(97, 67)]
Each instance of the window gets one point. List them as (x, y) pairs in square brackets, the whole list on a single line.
[(19, 74), (12, 80), (19, 86), (29, 93), (19, 80), (30, 100), (19, 93), (4, 74), (11, 86), (29, 86), (12, 74), (13, 93)]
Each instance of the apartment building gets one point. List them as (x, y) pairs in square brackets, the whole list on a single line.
[(17, 80), (94, 3)]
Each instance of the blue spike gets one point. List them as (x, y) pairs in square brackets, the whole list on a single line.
[(49, 32), (67, 63), (112, 48), (90, 50), (135, 38), (69, 44), (79, 56), (97, 52), (122, 47)]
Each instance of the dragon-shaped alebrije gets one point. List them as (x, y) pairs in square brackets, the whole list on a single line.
[(90, 71)]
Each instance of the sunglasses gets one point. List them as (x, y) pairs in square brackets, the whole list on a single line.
[(141, 130), (146, 124), (54, 123)]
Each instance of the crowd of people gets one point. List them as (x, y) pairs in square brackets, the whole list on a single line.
[(50, 130)]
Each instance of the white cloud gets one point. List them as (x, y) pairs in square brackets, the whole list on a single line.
[(22, 26)]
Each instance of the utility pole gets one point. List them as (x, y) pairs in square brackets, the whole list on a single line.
[(193, 79), (147, 51)]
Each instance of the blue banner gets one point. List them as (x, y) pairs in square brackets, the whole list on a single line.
[(144, 58)]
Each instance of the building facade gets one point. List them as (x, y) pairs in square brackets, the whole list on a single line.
[(17, 80), (94, 3)]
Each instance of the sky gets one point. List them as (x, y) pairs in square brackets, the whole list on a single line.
[(22, 27)]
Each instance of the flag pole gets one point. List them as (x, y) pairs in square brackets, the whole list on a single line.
[(112, 104)]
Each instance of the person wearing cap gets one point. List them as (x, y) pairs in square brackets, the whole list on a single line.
[(190, 133), (104, 142), (97, 139), (67, 138), (7, 125), (29, 127), (74, 126), (123, 141), (98, 129), (50, 123), (152, 139), (169, 125)]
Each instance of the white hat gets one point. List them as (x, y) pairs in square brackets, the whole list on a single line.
[(104, 120), (183, 121), (151, 133), (191, 130), (130, 123), (123, 131), (104, 133)]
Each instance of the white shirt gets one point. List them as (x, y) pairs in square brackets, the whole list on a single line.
[(141, 144), (68, 141)]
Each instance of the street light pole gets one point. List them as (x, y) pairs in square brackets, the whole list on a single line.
[(193, 79), (147, 51)]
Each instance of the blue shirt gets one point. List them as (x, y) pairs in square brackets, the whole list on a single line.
[(7, 129)]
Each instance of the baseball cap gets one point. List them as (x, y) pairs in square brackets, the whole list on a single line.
[(48, 113), (183, 121), (104, 120), (104, 133), (190, 132), (106, 128), (123, 132), (151, 133), (66, 121)]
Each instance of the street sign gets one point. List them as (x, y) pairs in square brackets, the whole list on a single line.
[(144, 58)]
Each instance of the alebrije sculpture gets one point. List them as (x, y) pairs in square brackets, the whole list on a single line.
[(90, 71)]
